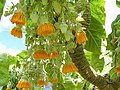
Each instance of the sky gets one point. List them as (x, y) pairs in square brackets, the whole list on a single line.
[(12, 45), (8, 43)]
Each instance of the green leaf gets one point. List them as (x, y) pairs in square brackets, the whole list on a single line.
[(94, 34), (4, 67), (110, 46), (118, 3), (44, 2), (34, 18), (63, 27), (23, 54), (116, 23), (96, 31), (68, 35), (2, 3), (68, 85), (94, 61), (99, 12), (111, 40), (57, 7), (71, 45), (43, 19), (113, 74), (79, 27)]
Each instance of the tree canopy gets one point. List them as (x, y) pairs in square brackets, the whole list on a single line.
[(64, 41)]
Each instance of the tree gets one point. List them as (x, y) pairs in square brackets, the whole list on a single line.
[(56, 34)]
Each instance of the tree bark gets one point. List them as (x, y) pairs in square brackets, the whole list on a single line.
[(78, 57)]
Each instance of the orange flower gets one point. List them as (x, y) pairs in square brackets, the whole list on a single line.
[(81, 37), (48, 78), (69, 68), (45, 29), (41, 82), (117, 69), (18, 18), (55, 80), (23, 84), (8, 88), (16, 32), (40, 54), (53, 54)]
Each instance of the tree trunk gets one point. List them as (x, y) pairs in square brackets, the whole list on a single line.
[(78, 57)]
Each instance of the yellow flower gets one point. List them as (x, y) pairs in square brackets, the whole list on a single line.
[(40, 54), (23, 84), (16, 32), (69, 68), (81, 37), (45, 29), (18, 18)]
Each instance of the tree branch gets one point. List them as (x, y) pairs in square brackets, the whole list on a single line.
[(78, 57)]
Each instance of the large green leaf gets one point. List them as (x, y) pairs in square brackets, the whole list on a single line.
[(2, 3), (97, 10), (95, 61), (96, 30), (94, 34)]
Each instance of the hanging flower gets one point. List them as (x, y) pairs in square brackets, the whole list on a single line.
[(81, 37), (69, 68), (18, 18), (23, 84), (117, 69), (41, 82), (8, 88), (45, 29), (53, 54), (40, 54), (55, 80), (16, 32)]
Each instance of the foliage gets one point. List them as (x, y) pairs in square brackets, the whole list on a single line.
[(113, 45), (5, 61), (96, 30), (118, 3), (2, 3)]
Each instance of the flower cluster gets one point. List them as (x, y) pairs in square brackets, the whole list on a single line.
[(41, 54), (23, 84), (18, 19)]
